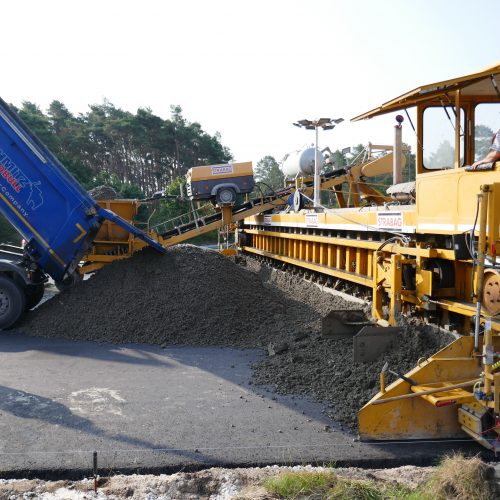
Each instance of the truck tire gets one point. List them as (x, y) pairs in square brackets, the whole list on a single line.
[(12, 302), (226, 196)]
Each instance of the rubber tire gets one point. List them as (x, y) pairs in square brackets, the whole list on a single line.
[(13, 299), (298, 201), (34, 294), (226, 196)]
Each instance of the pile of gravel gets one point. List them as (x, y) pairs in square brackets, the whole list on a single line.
[(103, 192), (187, 296), (194, 296), (323, 368)]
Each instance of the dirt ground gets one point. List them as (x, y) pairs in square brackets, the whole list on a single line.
[(194, 296), (213, 484)]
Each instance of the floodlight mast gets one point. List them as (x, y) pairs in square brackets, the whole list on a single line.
[(325, 124)]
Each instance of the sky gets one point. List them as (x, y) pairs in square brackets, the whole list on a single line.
[(245, 69)]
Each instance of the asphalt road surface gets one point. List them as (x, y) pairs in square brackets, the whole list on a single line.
[(148, 409)]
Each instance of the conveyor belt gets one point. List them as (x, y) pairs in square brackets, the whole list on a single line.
[(262, 204)]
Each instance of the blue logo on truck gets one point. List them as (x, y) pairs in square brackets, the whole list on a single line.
[(17, 181)]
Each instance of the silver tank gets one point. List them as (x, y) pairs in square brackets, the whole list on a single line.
[(300, 162)]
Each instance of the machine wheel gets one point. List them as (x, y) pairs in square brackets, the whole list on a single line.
[(443, 272), (34, 294), (12, 302), (298, 201), (226, 196), (491, 292)]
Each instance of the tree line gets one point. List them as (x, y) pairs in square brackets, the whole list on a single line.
[(138, 152)]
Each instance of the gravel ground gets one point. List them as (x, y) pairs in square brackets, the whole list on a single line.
[(213, 484), (198, 297)]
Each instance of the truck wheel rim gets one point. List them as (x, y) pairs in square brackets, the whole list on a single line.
[(226, 196)]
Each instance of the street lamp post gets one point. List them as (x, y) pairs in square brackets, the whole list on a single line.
[(325, 124)]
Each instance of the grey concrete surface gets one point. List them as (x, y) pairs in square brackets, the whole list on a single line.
[(148, 409)]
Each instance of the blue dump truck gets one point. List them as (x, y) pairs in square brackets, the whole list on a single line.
[(56, 217)]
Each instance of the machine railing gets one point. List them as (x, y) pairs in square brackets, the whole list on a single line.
[(195, 216)]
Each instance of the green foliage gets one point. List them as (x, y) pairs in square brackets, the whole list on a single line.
[(458, 477), (123, 189), (172, 207), (176, 209), (327, 484), (482, 141), (140, 152), (380, 182), (268, 173), (337, 160), (298, 484), (136, 154), (443, 157)]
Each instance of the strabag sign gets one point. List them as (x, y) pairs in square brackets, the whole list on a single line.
[(312, 220), (222, 169), (390, 220)]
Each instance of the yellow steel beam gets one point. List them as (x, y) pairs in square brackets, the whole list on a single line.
[(258, 209), (179, 238), (396, 284), (350, 276), (106, 259), (426, 253)]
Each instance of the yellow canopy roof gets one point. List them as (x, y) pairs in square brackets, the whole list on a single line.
[(477, 84)]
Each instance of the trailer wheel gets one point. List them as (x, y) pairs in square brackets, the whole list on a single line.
[(226, 196), (298, 201), (34, 294), (12, 302)]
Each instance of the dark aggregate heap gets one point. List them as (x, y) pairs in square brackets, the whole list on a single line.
[(198, 297), (187, 296), (323, 367), (103, 193)]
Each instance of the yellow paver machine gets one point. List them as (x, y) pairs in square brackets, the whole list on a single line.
[(427, 248)]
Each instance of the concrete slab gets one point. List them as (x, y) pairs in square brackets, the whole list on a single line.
[(148, 409)]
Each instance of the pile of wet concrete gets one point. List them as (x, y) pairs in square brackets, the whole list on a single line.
[(195, 296)]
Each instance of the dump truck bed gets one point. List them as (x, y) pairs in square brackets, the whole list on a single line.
[(45, 203)]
